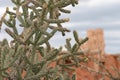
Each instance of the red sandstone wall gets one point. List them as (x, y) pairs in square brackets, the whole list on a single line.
[(96, 47), (111, 62)]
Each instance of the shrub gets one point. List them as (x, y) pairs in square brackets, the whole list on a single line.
[(26, 57)]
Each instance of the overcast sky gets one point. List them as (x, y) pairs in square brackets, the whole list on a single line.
[(87, 14)]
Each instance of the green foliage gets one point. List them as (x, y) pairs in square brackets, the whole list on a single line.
[(26, 51)]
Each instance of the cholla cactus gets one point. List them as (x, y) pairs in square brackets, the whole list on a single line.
[(25, 58)]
